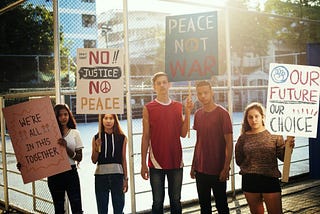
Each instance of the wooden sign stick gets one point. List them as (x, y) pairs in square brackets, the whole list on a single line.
[(287, 159)]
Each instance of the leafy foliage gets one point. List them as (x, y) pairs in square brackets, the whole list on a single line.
[(291, 23), (26, 30), (301, 26), (249, 33), (27, 44)]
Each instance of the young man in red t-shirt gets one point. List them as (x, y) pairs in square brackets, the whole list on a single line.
[(163, 125), (213, 150)]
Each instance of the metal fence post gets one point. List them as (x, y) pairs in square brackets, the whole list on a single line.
[(4, 157)]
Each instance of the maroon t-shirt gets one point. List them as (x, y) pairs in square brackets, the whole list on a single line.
[(209, 155), (165, 128)]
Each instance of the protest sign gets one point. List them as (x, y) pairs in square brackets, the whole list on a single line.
[(293, 100), (292, 104), (100, 81), (191, 46), (34, 133)]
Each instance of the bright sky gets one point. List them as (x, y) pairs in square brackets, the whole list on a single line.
[(163, 5), (155, 5)]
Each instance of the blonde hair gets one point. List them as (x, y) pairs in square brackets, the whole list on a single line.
[(255, 105)]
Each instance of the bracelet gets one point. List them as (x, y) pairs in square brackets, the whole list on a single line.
[(74, 155)]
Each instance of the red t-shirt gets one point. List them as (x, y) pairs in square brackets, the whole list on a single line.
[(209, 155), (165, 127)]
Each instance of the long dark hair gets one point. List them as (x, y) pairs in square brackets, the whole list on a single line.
[(116, 127), (71, 122), (259, 108)]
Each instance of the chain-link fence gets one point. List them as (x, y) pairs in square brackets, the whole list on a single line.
[(252, 38)]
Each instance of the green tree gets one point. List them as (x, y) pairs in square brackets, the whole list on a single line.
[(25, 33), (248, 33), (26, 29), (299, 24)]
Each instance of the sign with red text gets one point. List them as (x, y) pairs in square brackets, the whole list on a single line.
[(34, 134), (293, 100), (191, 46), (100, 81)]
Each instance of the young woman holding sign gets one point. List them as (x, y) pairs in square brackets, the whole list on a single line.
[(68, 181), (109, 153), (256, 153)]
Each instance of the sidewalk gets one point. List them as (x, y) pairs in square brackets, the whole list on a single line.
[(298, 196)]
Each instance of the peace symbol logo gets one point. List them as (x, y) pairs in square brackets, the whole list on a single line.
[(105, 87)]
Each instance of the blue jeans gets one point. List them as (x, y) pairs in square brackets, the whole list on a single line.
[(157, 181), (64, 182), (206, 183), (103, 185)]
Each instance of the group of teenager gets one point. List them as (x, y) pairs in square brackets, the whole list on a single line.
[(164, 122), (256, 151)]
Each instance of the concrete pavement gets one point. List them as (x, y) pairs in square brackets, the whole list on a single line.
[(301, 195)]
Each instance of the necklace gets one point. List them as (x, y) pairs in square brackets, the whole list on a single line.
[(66, 131)]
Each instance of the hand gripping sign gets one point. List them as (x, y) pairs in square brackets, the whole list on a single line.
[(34, 133), (292, 103)]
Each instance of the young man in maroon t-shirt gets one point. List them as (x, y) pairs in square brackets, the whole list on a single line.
[(163, 125), (213, 150)]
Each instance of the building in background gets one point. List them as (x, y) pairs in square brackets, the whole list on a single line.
[(78, 21)]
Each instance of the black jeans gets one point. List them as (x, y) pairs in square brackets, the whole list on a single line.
[(157, 181), (104, 184), (64, 182), (206, 183)]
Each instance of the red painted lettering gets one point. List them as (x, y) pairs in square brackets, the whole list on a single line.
[(97, 57), (95, 86), (177, 68)]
